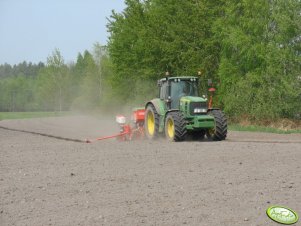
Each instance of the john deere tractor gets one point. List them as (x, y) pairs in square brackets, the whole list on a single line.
[(179, 110)]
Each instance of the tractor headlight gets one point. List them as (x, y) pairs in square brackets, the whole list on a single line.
[(199, 110)]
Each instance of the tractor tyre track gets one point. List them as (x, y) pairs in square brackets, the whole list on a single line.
[(44, 134)]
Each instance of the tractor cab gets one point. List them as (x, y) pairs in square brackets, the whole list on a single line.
[(172, 89)]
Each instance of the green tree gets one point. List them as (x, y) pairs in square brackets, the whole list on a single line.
[(90, 88), (151, 37), (53, 83), (260, 61)]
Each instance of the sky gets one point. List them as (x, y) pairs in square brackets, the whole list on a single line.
[(30, 30)]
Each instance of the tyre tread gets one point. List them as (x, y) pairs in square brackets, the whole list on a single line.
[(221, 127)]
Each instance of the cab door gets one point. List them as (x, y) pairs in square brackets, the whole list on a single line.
[(164, 94)]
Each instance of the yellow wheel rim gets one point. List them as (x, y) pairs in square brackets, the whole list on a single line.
[(170, 128), (150, 123)]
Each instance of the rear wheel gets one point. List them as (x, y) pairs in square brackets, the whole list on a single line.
[(219, 131), (175, 126), (151, 122)]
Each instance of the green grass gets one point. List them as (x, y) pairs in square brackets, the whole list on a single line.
[(22, 115), (254, 128)]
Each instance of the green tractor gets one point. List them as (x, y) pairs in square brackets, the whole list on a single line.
[(179, 111)]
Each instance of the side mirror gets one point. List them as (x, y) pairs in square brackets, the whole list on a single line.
[(209, 82), (168, 100)]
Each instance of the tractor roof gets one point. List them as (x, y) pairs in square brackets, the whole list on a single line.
[(178, 77)]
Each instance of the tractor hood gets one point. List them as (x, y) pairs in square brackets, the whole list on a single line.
[(192, 99), (191, 106)]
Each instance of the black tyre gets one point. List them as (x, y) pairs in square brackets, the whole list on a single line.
[(151, 122), (219, 132), (175, 126)]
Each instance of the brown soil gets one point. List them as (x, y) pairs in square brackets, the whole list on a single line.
[(48, 181)]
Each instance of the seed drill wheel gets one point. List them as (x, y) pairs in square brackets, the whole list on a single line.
[(151, 122), (219, 132), (175, 126)]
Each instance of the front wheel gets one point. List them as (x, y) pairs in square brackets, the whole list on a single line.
[(175, 126), (219, 131)]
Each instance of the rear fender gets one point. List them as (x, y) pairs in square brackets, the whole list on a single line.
[(159, 106), (161, 110), (171, 110)]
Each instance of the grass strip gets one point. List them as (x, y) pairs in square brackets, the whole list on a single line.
[(254, 128)]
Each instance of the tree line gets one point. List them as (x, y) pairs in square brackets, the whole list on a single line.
[(251, 49), (22, 69), (56, 86)]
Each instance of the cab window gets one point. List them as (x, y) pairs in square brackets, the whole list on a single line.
[(163, 91)]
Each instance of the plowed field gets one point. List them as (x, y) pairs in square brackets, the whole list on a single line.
[(50, 179)]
